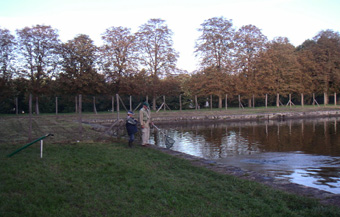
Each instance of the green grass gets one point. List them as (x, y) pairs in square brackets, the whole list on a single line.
[(109, 179)]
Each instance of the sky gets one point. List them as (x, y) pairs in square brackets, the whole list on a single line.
[(298, 20)]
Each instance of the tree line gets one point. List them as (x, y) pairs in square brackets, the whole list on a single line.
[(231, 61)]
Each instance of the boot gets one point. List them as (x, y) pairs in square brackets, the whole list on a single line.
[(130, 144)]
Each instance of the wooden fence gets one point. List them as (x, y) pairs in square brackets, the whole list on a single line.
[(117, 104)]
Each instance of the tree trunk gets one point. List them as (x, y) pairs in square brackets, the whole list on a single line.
[(302, 100), (249, 102), (278, 100)]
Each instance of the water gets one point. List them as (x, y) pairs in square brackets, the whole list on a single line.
[(305, 152)]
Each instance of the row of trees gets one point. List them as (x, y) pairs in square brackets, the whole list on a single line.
[(232, 61)]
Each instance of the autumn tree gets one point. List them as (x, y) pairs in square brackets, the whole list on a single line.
[(215, 82), (308, 67), (118, 56), (156, 52), (79, 73), (249, 42), (278, 69), (326, 55), (38, 46)]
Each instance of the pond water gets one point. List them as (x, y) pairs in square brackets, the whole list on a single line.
[(305, 152)]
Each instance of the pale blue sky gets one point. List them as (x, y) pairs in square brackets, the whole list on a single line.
[(297, 20)]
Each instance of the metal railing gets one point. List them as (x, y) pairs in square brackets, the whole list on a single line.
[(29, 144)]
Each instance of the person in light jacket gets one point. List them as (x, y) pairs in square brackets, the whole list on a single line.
[(145, 121)]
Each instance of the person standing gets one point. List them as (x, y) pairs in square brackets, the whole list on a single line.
[(131, 127), (145, 120)]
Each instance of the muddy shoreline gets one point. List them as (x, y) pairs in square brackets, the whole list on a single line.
[(220, 116)]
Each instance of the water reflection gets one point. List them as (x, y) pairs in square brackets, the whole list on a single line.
[(304, 151)]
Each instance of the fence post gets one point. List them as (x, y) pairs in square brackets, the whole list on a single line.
[(196, 106), (76, 103), (37, 105), (335, 103), (80, 117), (130, 103), (56, 106), (113, 104), (253, 101), (94, 105), (30, 118), (117, 99), (16, 106), (180, 102), (164, 102)]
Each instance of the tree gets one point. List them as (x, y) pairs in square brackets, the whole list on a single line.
[(7, 58), (156, 53), (327, 58), (39, 48), (215, 45), (79, 74), (278, 69), (118, 56), (249, 42), (308, 67)]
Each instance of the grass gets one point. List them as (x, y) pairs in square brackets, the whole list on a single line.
[(109, 179)]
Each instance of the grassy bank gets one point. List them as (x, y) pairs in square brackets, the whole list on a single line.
[(110, 179)]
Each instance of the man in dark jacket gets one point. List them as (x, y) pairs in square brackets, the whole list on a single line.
[(131, 127)]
